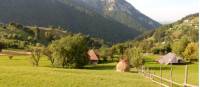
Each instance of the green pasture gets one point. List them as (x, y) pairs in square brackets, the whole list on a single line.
[(19, 72), (178, 71)]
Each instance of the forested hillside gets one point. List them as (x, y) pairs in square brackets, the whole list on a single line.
[(180, 37), (73, 16), (17, 36), (119, 10)]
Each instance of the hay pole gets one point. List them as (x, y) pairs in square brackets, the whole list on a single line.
[(161, 75), (171, 82)]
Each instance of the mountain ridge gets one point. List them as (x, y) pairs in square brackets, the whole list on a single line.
[(68, 14)]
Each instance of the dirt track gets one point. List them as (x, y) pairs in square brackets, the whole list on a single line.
[(11, 52)]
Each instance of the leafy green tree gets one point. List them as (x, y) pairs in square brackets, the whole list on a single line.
[(179, 46), (135, 56), (70, 51), (191, 51)]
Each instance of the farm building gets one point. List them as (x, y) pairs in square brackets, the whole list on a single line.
[(93, 56), (170, 58)]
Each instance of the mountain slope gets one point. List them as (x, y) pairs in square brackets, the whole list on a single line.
[(186, 27), (173, 37), (68, 14), (121, 11)]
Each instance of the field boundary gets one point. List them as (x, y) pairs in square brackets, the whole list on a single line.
[(145, 71)]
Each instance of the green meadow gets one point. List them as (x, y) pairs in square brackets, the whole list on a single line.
[(19, 72), (178, 71)]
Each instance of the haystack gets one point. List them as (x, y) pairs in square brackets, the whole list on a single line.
[(123, 65)]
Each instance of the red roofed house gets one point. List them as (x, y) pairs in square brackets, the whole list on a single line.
[(93, 56)]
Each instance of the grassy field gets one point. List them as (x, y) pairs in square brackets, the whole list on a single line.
[(18, 72), (178, 70)]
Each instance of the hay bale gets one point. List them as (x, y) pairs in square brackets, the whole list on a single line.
[(123, 65)]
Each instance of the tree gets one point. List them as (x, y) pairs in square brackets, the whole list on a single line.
[(1, 46), (47, 52), (36, 53), (106, 53), (135, 56), (179, 46), (70, 51), (191, 51)]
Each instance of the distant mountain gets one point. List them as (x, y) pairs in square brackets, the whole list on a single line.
[(112, 20)]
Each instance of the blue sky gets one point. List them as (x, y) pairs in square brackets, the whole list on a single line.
[(166, 11)]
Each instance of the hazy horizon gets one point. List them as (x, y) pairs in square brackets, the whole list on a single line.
[(166, 11)]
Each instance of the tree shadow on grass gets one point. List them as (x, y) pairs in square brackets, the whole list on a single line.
[(133, 71), (158, 68), (100, 67)]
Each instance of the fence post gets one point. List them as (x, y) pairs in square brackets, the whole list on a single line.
[(145, 71), (161, 75), (153, 75), (186, 76), (142, 69), (171, 83), (148, 72)]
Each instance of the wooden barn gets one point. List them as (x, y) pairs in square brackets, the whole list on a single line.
[(170, 58), (93, 56)]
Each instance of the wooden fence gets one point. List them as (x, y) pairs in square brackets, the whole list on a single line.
[(163, 81)]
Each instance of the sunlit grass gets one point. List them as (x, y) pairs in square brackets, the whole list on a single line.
[(19, 72), (178, 71)]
